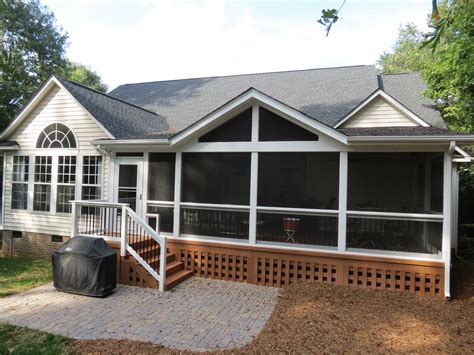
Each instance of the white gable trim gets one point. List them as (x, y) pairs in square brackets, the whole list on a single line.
[(37, 99), (390, 100), (255, 95)]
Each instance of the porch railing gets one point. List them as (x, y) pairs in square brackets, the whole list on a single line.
[(118, 222)]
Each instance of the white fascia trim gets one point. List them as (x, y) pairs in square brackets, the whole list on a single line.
[(253, 94), (129, 142), (34, 102), (106, 131), (409, 139), (11, 147), (392, 101), (28, 108)]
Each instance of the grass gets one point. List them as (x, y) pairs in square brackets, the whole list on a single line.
[(19, 340), (21, 274), (18, 275)]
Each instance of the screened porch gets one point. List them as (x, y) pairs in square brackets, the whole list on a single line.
[(382, 203)]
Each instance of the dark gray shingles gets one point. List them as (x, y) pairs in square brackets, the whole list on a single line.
[(408, 89), (397, 131), (121, 119), (326, 95)]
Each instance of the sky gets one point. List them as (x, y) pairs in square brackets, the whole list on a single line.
[(129, 41)]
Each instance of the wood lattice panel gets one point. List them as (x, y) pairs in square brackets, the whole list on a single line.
[(274, 267), (218, 266)]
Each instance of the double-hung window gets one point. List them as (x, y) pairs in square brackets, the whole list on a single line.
[(20, 182), (42, 183), (66, 188), (91, 177)]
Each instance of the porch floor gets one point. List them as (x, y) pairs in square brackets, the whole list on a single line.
[(199, 314)]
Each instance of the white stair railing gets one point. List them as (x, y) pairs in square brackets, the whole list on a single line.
[(118, 222)]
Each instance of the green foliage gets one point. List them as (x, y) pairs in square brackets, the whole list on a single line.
[(448, 71), (329, 17), (21, 274), (406, 55), (451, 77), (85, 75), (19, 340), (32, 48)]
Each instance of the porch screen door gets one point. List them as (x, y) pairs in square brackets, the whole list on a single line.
[(128, 184)]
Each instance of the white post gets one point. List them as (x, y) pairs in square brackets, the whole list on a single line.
[(455, 209), (254, 177), (163, 252), (73, 219), (447, 220), (253, 198), (342, 227), (177, 195), (123, 232)]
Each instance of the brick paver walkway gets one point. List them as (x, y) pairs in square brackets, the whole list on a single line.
[(199, 314)]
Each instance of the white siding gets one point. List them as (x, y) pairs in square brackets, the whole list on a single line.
[(58, 106), (379, 113)]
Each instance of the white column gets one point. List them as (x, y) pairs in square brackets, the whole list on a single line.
[(144, 189), (177, 194), (455, 208), (342, 227), (447, 220), (253, 198), (254, 178)]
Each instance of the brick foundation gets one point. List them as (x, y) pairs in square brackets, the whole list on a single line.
[(32, 245)]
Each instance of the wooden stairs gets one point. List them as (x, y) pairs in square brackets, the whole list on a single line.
[(133, 274)]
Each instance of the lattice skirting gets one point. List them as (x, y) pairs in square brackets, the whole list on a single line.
[(274, 267)]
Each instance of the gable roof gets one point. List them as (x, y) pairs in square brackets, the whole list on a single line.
[(123, 120), (327, 95)]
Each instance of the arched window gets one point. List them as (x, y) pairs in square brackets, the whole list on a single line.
[(56, 135)]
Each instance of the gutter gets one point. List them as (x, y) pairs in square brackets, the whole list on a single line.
[(10, 147), (410, 139), (129, 142)]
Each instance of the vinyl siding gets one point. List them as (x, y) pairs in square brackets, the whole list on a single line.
[(379, 113), (58, 106)]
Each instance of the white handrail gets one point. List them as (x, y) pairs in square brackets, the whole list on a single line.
[(124, 245)]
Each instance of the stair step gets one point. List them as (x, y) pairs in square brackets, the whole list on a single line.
[(176, 278), (171, 267), (170, 257)]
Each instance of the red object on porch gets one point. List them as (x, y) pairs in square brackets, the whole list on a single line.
[(291, 224)]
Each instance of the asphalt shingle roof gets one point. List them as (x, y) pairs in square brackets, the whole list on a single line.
[(327, 95), (123, 120), (397, 131)]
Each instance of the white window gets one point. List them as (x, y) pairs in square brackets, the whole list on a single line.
[(66, 188), (56, 135), (42, 183), (91, 177), (20, 182)]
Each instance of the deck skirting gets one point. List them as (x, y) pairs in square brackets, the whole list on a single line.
[(279, 268)]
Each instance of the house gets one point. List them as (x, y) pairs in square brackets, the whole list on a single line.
[(335, 175)]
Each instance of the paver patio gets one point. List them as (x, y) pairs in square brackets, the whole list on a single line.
[(200, 314)]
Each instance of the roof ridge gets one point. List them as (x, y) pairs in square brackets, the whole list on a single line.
[(247, 74), (106, 95)]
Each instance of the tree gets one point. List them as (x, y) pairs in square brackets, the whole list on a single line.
[(32, 48), (406, 55), (448, 71), (85, 75)]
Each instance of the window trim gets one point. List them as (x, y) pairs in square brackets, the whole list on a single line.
[(100, 182), (58, 148), (24, 182)]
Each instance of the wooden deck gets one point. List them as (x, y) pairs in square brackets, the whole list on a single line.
[(279, 268)]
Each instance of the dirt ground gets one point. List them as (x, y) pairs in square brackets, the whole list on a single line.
[(318, 318)]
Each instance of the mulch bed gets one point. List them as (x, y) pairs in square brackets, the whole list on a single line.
[(324, 318)]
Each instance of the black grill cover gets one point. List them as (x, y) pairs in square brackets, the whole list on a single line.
[(85, 266)]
